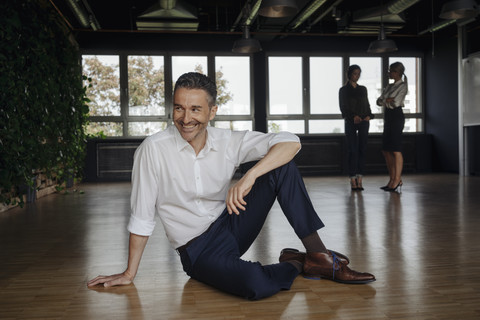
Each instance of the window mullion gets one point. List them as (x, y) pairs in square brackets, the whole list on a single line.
[(124, 93)]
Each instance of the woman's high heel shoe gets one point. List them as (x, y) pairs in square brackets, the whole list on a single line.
[(385, 187), (353, 184), (359, 183), (399, 187)]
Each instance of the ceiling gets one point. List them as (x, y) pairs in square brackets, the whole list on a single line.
[(411, 18)]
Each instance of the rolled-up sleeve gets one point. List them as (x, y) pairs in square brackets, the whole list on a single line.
[(140, 227), (283, 137), (255, 145)]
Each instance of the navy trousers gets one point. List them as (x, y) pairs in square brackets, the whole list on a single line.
[(215, 256), (357, 137)]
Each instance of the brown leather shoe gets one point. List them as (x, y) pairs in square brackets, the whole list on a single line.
[(327, 266), (293, 254)]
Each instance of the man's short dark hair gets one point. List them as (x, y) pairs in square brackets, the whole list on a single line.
[(195, 80)]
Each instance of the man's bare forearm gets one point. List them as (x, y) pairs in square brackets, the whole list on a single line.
[(136, 247)]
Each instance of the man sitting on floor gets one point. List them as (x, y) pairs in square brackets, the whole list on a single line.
[(183, 174)]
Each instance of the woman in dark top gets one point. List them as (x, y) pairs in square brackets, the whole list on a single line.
[(356, 111)]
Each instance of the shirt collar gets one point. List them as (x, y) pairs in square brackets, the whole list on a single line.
[(182, 144), (179, 141), (211, 141)]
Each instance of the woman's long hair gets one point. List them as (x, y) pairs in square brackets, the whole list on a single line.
[(350, 70)]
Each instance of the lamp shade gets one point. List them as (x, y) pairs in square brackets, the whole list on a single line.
[(278, 8), (246, 44), (459, 9), (382, 45)]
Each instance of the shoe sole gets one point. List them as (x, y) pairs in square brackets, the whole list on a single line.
[(340, 281)]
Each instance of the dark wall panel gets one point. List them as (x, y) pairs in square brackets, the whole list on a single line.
[(112, 160), (441, 111)]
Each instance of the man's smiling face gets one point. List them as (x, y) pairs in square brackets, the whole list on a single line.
[(191, 114)]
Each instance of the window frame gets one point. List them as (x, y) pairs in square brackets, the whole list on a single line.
[(307, 115), (124, 118)]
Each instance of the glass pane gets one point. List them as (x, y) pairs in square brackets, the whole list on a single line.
[(376, 126), (184, 64), (234, 125), (411, 125), (294, 126), (145, 128), (109, 129), (326, 126), (412, 67), (285, 85), (233, 85), (146, 86), (104, 89), (325, 81), (371, 78)]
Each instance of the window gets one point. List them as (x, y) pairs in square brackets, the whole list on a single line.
[(184, 64), (134, 103), (325, 81), (290, 108), (103, 90), (146, 86), (146, 94), (285, 94), (129, 98), (232, 75)]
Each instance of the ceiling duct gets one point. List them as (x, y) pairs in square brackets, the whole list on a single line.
[(169, 15), (305, 14), (390, 13), (84, 14), (398, 6), (393, 8)]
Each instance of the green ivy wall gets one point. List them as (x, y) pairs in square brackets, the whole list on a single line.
[(43, 107)]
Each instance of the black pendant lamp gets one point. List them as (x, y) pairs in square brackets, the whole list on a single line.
[(246, 44), (459, 9), (382, 44)]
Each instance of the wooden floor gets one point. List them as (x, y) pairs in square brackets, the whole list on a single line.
[(423, 245)]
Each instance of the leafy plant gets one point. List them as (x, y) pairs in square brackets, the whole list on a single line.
[(43, 104)]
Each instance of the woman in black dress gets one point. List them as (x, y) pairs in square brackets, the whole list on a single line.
[(356, 111), (393, 100)]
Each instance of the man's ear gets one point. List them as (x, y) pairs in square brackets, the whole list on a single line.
[(213, 112)]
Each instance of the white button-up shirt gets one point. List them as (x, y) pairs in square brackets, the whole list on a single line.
[(397, 91), (186, 190)]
